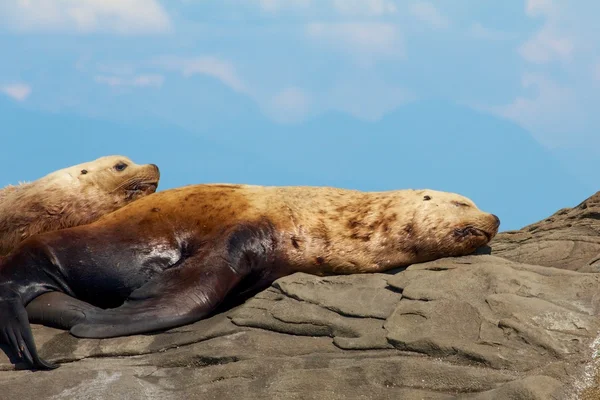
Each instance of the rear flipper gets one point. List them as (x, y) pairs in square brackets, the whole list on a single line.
[(58, 310), (179, 296), (16, 331), (190, 291)]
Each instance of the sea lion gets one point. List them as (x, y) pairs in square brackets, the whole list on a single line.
[(72, 196), (171, 258)]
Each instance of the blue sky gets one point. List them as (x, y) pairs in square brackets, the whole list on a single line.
[(494, 100)]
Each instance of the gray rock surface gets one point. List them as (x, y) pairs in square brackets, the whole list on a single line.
[(478, 327), (569, 239)]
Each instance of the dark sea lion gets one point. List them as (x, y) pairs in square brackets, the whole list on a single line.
[(72, 196), (171, 258)]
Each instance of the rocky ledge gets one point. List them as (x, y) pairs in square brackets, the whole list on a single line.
[(569, 239), (520, 323)]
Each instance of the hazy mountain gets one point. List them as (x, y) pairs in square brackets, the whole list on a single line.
[(432, 144), (424, 145)]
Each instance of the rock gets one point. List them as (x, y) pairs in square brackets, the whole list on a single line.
[(494, 312), (351, 309), (532, 387), (478, 327), (569, 239)]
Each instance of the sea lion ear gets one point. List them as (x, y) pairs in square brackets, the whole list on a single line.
[(84, 171)]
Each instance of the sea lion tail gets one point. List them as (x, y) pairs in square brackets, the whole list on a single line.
[(16, 332)]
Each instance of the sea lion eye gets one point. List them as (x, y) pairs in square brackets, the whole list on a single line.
[(120, 166), (84, 171), (425, 198)]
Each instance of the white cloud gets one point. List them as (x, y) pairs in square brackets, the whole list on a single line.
[(85, 16), (479, 31), (126, 68), (367, 38), (17, 91), (364, 7), (549, 113), (545, 46), (559, 107), (206, 65), (536, 8), (289, 105), (551, 42), (147, 80), (428, 13), (344, 7), (276, 5), (367, 96)]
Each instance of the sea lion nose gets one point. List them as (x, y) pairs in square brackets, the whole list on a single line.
[(155, 168), (496, 219)]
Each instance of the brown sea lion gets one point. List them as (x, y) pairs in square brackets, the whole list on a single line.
[(170, 258), (72, 196)]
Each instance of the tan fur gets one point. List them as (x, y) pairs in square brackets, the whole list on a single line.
[(71, 197), (320, 230)]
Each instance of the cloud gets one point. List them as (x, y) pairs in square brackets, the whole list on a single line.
[(549, 113), (364, 7), (550, 42), (17, 91), (148, 80), (85, 16), (206, 65), (479, 31), (536, 8), (368, 97), (289, 105), (545, 46), (559, 106), (344, 7), (428, 13), (119, 68), (276, 5), (367, 38)]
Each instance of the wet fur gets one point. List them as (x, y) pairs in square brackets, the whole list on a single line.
[(66, 198)]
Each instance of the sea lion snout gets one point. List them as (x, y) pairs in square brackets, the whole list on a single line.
[(497, 220), (494, 225), (147, 179), (152, 174), (488, 226)]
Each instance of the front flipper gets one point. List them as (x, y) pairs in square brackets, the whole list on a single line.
[(16, 331), (58, 310), (177, 297)]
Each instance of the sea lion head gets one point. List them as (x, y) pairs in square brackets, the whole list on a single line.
[(452, 224), (118, 176), (111, 177), (72, 196)]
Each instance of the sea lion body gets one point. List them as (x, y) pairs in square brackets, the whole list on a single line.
[(172, 257), (72, 196)]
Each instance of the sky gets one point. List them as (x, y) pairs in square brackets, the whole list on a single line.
[(493, 100)]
